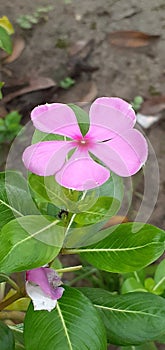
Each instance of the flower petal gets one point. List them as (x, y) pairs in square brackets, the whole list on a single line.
[(56, 118), (110, 117), (46, 158), (125, 154), (82, 173), (40, 300), (47, 279)]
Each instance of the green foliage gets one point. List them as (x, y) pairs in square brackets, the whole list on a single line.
[(27, 21), (104, 208), (71, 326), (133, 318), (132, 285), (1, 86), (123, 250), (67, 83), (18, 336), (159, 278), (5, 40), (15, 199), (6, 338), (137, 102), (10, 126), (35, 234), (152, 282), (39, 219)]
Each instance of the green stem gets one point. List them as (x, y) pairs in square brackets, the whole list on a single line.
[(159, 284), (69, 251), (136, 276), (69, 269), (73, 216), (12, 283)]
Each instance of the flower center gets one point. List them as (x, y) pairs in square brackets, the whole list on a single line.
[(83, 142)]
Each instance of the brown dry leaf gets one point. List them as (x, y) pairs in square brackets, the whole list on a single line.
[(77, 47), (115, 220), (153, 106), (18, 47), (81, 48), (131, 39), (35, 84)]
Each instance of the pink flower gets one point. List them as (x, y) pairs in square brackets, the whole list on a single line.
[(42, 286), (111, 138)]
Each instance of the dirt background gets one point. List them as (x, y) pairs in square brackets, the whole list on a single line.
[(108, 71)]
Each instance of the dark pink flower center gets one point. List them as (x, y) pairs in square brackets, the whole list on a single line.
[(84, 142)]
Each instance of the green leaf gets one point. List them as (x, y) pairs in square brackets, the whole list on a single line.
[(160, 278), (82, 118), (29, 242), (73, 324), (1, 86), (132, 285), (86, 235), (24, 22), (133, 318), (6, 337), (124, 250), (113, 187), (67, 83), (6, 24), (149, 284), (103, 209), (40, 136), (47, 189), (5, 41), (15, 199), (12, 118), (18, 336)]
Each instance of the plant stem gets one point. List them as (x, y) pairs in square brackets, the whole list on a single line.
[(13, 284), (73, 216), (9, 280), (12, 315), (69, 269), (136, 276)]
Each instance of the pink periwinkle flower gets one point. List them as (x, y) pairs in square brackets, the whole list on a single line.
[(42, 286), (110, 138)]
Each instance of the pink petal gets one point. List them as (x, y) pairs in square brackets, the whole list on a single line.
[(56, 118), (110, 117), (125, 154), (46, 158), (47, 279), (82, 173)]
